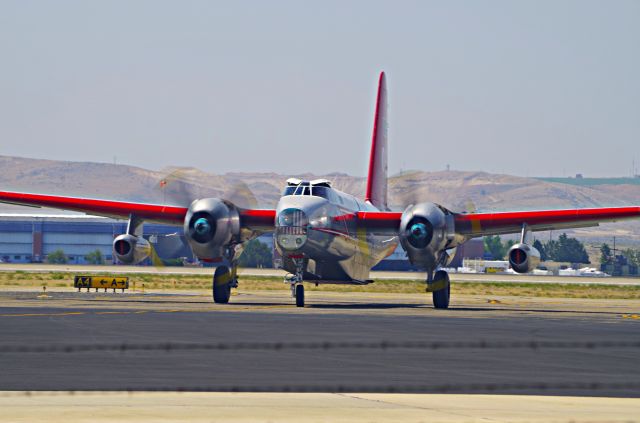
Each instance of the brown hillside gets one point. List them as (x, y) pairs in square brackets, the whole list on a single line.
[(456, 190)]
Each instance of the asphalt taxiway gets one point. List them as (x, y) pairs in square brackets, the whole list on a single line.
[(340, 342)]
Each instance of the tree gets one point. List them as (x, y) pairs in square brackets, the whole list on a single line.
[(493, 245), (256, 254), (95, 257), (567, 249), (633, 256), (57, 257), (543, 252), (605, 254)]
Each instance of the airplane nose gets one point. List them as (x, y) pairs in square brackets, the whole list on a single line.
[(291, 229)]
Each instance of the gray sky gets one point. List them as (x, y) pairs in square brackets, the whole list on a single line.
[(526, 88)]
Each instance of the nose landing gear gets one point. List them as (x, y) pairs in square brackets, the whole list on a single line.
[(297, 292), (295, 281)]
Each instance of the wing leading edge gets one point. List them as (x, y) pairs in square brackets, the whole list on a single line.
[(480, 224), (258, 219)]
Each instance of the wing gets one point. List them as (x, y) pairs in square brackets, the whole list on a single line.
[(254, 219), (480, 224)]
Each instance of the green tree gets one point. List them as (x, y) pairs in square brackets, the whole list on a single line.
[(95, 257), (494, 246), (256, 254), (567, 249), (538, 246), (57, 257), (551, 248), (605, 254), (633, 256)]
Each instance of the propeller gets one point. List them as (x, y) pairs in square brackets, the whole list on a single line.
[(412, 197), (180, 187), (183, 185), (171, 246)]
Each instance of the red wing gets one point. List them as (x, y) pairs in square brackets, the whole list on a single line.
[(115, 209), (262, 220), (380, 222), (255, 219), (479, 224)]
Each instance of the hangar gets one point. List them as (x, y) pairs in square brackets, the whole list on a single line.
[(30, 238)]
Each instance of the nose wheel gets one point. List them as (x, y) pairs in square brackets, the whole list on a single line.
[(298, 293), (295, 281)]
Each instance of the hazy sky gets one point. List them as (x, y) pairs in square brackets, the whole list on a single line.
[(526, 88)]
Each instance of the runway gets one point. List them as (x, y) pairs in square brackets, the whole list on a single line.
[(349, 342)]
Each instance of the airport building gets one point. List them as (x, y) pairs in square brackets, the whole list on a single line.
[(31, 238)]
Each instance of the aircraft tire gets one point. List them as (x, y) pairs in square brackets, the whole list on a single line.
[(221, 286), (299, 295), (441, 297)]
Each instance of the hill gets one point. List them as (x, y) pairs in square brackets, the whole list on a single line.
[(457, 190)]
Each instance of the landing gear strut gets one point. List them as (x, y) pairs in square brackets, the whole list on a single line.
[(295, 281), (440, 286)]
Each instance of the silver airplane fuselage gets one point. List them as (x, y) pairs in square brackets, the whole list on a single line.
[(318, 226)]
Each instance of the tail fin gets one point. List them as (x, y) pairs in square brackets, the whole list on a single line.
[(377, 178)]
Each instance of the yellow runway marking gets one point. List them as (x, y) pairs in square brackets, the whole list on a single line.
[(631, 316)]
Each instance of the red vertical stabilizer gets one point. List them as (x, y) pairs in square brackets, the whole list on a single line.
[(377, 178)]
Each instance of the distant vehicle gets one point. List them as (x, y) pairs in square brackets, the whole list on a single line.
[(327, 236)]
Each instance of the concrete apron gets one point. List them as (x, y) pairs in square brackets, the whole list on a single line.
[(54, 407)]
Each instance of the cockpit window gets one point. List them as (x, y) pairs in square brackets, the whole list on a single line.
[(302, 190), (321, 192), (306, 189)]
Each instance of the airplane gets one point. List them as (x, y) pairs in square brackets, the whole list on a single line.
[(328, 236)]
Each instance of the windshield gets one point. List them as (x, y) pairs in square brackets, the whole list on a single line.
[(303, 189), (323, 192)]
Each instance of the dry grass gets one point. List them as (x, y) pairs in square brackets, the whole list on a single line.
[(256, 283)]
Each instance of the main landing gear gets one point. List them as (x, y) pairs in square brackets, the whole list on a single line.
[(440, 286), (223, 280)]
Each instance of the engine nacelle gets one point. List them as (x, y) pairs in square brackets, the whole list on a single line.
[(423, 234), (131, 249), (523, 258), (210, 226)]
